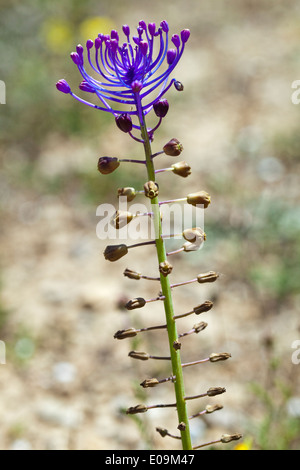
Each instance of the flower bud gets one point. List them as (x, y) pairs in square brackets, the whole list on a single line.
[(214, 391), (139, 302), (115, 252), (165, 268), (142, 356), (171, 56), (216, 357), (181, 426), (195, 238), (202, 197), (200, 327), (212, 408), (162, 431), (129, 193), (136, 409), (85, 86), (179, 86), (181, 169), (136, 86), (121, 219), (230, 437), (161, 107), (148, 383), (107, 165), (211, 276), (173, 148), (176, 345), (205, 307), (132, 274), (124, 122), (151, 189), (63, 86), (128, 333)]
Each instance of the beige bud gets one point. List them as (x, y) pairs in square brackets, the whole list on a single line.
[(213, 391), (143, 356), (136, 409), (128, 333), (132, 274), (129, 193), (200, 198), (151, 189), (216, 357), (181, 169), (212, 408), (230, 437), (165, 268), (200, 327), (210, 276), (205, 307), (149, 383), (121, 219)]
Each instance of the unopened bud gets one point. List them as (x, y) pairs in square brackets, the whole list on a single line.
[(139, 302), (161, 107), (142, 356), (115, 252), (128, 333), (137, 409), (216, 357), (200, 327), (213, 391), (210, 276), (121, 219), (230, 437), (205, 307), (200, 198), (129, 193), (107, 165), (181, 426), (165, 268), (162, 431), (173, 148), (124, 122), (151, 189), (178, 85), (176, 345), (212, 408), (195, 238), (181, 169), (148, 383), (132, 274)]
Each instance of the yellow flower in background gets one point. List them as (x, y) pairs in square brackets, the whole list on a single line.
[(91, 27), (244, 445), (58, 35)]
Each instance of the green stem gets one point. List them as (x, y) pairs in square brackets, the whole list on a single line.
[(166, 291)]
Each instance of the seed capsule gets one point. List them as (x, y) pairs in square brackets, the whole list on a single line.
[(200, 198), (115, 252), (122, 334), (205, 307), (132, 274), (139, 302), (216, 357), (136, 409), (151, 189), (213, 391), (230, 437), (143, 356), (149, 383), (211, 276), (173, 148), (107, 165)]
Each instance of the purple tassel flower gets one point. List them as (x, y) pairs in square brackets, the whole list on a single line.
[(129, 71)]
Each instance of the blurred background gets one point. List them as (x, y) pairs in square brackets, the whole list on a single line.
[(67, 381)]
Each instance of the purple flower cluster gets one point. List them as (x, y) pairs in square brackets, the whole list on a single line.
[(130, 69)]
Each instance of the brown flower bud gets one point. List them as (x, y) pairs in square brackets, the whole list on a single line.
[(132, 274), (151, 189), (162, 431), (210, 276), (137, 409), (128, 333), (181, 169), (176, 345), (148, 383), (129, 193), (205, 307), (139, 302), (124, 122), (216, 357), (212, 408), (173, 148), (121, 219), (107, 165), (181, 426), (230, 437), (139, 355), (200, 326), (178, 85), (165, 268), (213, 391), (200, 198), (115, 252)]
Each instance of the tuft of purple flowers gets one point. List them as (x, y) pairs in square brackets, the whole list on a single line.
[(129, 71)]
